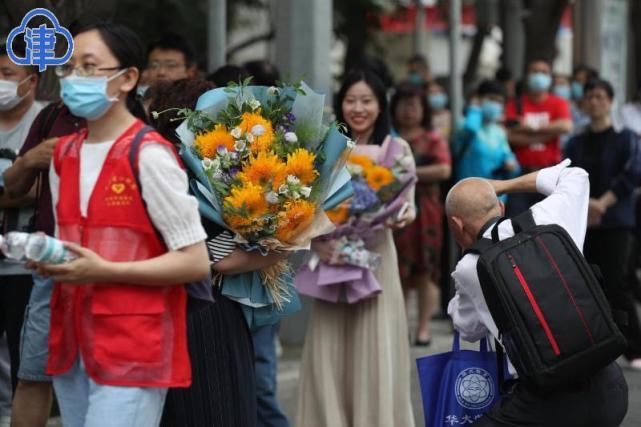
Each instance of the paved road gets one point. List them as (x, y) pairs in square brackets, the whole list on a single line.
[(441, 342)]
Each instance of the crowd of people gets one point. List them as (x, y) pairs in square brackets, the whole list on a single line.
[(139, 350)]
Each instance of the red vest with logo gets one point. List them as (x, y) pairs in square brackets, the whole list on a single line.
[(128, 335)]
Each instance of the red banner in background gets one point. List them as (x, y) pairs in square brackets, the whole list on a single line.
[(403, 19)]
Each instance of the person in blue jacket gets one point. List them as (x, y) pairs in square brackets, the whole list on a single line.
[(480, 147)]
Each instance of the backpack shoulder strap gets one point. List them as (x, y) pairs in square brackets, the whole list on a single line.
[(480, 246), (133, 151), (523, 222)]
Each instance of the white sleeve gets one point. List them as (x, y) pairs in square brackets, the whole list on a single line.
[(468, 309), (464, 318), (173, 211), (54, 187), (568, 191)]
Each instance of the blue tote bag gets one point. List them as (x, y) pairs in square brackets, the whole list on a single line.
[(459, 386)]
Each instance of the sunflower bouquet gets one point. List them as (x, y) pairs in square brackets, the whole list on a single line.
[(266, 166), (379, 193)]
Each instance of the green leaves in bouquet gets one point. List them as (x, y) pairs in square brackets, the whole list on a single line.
[(218, 185), (197, 121)]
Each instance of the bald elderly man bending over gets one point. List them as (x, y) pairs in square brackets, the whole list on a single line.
[(472, 208)]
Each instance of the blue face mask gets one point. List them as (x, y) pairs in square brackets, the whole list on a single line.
[(539, 82), (437, 101), (415, 79), (87, 96), (562, 91), (491, 110), (577, 90)]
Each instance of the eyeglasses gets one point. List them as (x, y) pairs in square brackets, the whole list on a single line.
[(88, 70), (169, 65)]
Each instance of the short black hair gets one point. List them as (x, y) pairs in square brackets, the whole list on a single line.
[(264, 73), (583, 68), (226, 74), (171, 95), (418, 59), (503, 74), (545, 60), (173, 41), (19, 48), (600, 84), (491, 87)]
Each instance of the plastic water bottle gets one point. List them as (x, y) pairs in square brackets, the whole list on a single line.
[(43, 248), (13, 245)]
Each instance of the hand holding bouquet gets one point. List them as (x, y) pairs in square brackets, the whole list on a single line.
[(266, 167), (380, 189)]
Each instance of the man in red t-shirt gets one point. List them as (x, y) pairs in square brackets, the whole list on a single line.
[(535, 121)]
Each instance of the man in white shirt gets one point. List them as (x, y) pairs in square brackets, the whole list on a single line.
[(472, 204)]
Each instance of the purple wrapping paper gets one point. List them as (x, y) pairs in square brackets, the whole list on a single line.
[(348, 283), (337, 283), (392, 149)]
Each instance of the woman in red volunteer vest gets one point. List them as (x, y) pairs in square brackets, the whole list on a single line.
[(117, 338)]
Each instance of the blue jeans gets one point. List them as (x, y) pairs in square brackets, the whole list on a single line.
[(269, 412), (34, 342), (83, 402)]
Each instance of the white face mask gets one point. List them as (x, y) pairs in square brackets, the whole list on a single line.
[(9, 94)]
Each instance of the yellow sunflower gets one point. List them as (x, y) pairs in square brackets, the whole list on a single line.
[(249, 197), (263, 141), (263, 168), (301, 164), (298, 214), (207, 143), (339, 215), (378, 177), (360, 160)]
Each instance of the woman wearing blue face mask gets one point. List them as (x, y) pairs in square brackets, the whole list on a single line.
[(118, 310), (480, 147), (562, 87), (438, 101), (573, 94)]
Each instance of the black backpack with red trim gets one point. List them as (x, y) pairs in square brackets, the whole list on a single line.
[(548, 305)]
